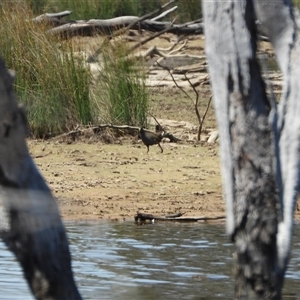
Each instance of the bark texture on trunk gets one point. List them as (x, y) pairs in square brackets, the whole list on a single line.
[(260, 142)]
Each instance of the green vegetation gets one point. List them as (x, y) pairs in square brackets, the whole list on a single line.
[(51, 82), (102, 9), (55, 84), (297, 3), (122, 94)]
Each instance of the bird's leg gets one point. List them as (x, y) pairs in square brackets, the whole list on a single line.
[(160, 148), (148, 149)]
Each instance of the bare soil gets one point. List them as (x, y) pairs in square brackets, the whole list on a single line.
[(114, 181), (104, 176), (99, 176)]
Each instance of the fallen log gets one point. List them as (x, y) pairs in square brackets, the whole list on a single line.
[(195, 68), (140, 217), (171, 137), (94, 27), (53, 19), (143, 218), (162, 15), (147, 16), (77, 132)]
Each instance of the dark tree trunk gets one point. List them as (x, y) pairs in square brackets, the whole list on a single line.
[(30, 222)]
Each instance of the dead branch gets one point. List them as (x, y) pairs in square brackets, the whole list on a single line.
[(172, 50), (77, 132), (179, 70), (152, 51), (73, 134), (195, 68), (93, 57), (95, 26), (193, 85), (157, 123), (162, 15), (171, 137), (53, 18), (144, 54), (201, 121), (203, 118), (168, 28), (175, 44), (175, 82), (147, 16), (142, 218), (196, 106)]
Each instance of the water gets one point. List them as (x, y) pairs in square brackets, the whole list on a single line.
[(159, 261)]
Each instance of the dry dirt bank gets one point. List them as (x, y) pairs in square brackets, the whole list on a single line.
[(114, 181), (94, 181)]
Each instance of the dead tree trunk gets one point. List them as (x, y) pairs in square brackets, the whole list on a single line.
[(30, 222), (260, 142)]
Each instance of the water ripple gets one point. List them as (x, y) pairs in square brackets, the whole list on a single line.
[(159, 261)]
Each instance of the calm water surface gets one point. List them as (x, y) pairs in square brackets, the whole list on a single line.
[(158, 261)]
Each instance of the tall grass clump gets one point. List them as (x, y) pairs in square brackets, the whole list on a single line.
[(297, 3), (189, 10), (51, 82), (121, 91)]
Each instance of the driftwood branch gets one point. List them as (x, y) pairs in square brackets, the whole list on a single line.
[(55, 19), (136, 21), (171, 137), (168, 28), (195, 68), (162, 15), (80, 131), (193, 85), (142, 218), (147, 16), (74, 134), (108, 26), (203, 118), (196, 106), (152, 51)]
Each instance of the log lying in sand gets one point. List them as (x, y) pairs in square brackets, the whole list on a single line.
[(76, 133), (30, 225), (143, 218), (55, 19), (91, 27)]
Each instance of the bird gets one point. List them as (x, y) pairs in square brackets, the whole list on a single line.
[(150, 138)]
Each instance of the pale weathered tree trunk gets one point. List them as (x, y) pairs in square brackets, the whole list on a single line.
[(259, 141), (30, 222)]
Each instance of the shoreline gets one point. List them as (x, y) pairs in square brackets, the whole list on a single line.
[(99, 181)]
